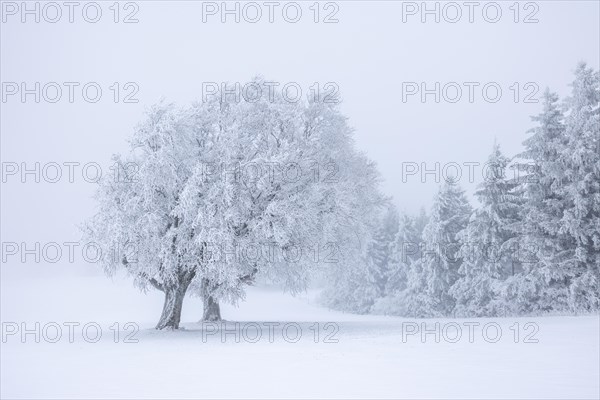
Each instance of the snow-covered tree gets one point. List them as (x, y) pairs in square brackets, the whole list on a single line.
[(488, 244), (533, 245), (361, 280), (560, 217), (135, 225), (420, 222), (581, 190), (405, 251), (352, 288), (379, 253), (440, 253), (301, 216), (543, 283), (228, 189)]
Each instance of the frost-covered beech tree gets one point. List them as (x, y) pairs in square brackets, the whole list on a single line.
[(228, 189), (488, 244), (135, 225), (581, 190), (283, 222)]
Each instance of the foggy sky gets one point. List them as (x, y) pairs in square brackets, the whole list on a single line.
[(369, 53)]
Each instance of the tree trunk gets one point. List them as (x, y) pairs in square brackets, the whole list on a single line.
[(174, 295), (212, 311)]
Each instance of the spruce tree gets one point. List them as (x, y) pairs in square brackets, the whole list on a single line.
[(488, 240), (380, 250), (543, 283), (404, 252), (581, 188), (440, 255)]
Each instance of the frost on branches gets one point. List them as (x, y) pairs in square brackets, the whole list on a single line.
[(226, 190)]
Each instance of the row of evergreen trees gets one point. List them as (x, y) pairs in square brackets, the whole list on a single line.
[(532, 245)]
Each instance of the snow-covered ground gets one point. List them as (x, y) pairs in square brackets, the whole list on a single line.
[(353, 357)]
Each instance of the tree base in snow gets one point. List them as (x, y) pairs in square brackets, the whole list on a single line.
[(212, 311)]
